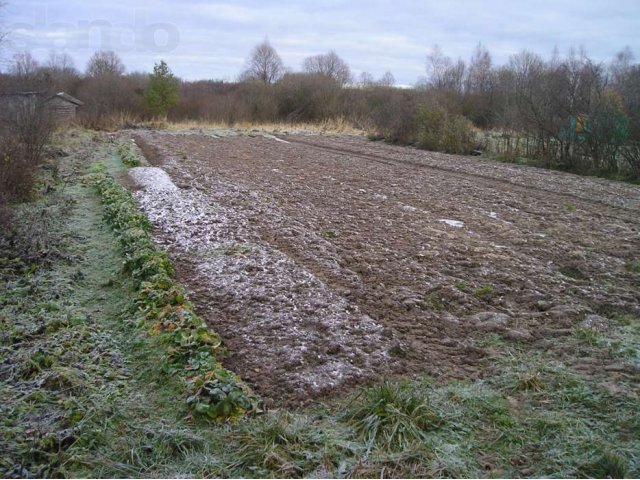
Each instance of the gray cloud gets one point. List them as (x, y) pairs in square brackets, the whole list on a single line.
[(201, 39)]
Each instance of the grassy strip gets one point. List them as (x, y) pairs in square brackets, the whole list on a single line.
[(191, 348), (128, 155)]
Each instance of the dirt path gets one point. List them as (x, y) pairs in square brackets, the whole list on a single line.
[(329, 261)]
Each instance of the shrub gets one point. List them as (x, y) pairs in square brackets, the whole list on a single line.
[(25, 129), (440, 131)]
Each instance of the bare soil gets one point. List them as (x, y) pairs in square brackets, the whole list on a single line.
[(330, 261)]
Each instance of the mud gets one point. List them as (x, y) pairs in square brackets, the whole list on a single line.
[(331, 261)]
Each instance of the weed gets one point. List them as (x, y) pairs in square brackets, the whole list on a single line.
[(569, 208), (530, 381), (483, 291), (633, 267), (625, 319), (572, 272), (588, 336), (461, 285), (436, 303)]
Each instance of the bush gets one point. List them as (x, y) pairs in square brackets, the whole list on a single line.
[(304, 97), (440, 131), (631, 155), (25, 129), (14, 179)]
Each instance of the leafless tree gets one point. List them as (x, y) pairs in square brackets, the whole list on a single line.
[(24, 65), (61, 63), (479, 72), (60, 73), (25, 75), (443, 73), (437, 65), (366, 80), (387, 80), (264, 64), (330, 65), (104, 63)]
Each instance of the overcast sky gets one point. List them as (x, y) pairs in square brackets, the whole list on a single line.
[(204, 40)]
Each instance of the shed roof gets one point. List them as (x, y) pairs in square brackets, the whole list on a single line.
[(67, 97)]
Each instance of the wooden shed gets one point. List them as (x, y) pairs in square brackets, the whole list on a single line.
[(62, 107)]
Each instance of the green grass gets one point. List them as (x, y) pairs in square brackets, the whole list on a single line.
[(461, 285), (483, 291), (632, 267)]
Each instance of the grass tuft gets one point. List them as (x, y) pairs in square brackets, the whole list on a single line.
[(484, 291), (608, 465), (392, 416)]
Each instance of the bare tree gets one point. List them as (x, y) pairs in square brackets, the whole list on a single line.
[(443, 73), (330, 65), (60, 72), (437, 65), (24, 65), (105, 63), (387, 80), (479, 73), (61, 63), (366, 80), (264, 64)]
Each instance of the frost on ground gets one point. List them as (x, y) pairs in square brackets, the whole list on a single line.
[(273, 137), (452, 223), (278, 320), (152, 178)]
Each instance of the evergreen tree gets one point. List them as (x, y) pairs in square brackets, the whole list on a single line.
[(162, 91)]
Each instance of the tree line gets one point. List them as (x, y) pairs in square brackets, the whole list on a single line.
[(567, 111)]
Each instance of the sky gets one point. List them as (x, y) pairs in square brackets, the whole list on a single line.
[(212, 39)]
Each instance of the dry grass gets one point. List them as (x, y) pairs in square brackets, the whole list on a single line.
[(334, 126), (123, 120)]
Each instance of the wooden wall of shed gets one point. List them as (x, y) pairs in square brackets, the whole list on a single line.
[(61, 110)]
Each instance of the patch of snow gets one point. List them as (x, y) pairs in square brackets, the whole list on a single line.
[(409, 208), (152, 178), (452, 223), (380, 196), (493, 215)]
